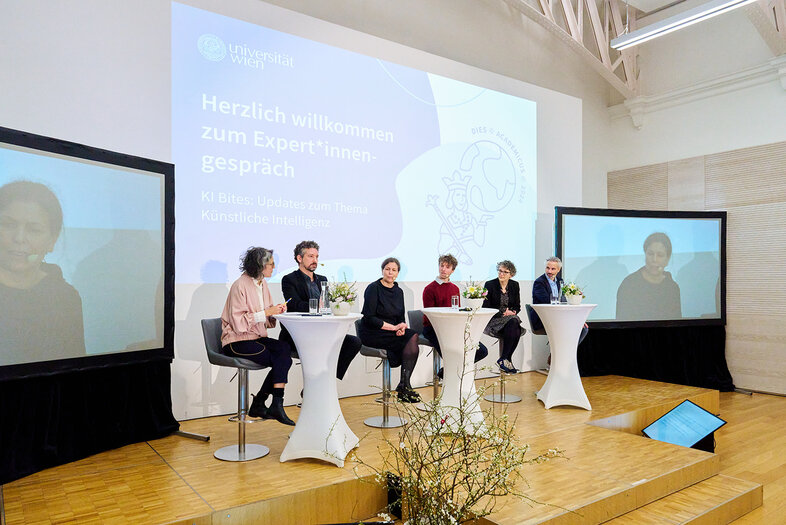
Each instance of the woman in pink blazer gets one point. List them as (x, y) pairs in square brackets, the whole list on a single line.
[(247, 316)]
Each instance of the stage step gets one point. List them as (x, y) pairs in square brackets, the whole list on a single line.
[(716, 500)]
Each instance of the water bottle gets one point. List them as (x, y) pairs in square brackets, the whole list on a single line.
[(324, 301)]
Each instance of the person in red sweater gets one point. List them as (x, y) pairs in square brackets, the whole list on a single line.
[(438, 293)]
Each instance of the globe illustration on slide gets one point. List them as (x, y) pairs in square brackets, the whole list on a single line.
[(212, 47), (493, 175)]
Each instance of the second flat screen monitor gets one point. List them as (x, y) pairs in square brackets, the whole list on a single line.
[(645, 267)]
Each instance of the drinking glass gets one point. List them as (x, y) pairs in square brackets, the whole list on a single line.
[(454, 302), (555, 298), (313, 306)]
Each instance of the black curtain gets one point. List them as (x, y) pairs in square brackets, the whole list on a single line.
[(55, 419), (694, 355)]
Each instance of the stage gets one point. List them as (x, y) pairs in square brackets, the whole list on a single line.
[(608, 472)]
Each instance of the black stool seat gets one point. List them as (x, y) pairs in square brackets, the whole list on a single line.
[(211, 331)]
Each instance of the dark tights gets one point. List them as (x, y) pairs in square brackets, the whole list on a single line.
[(409, 356), (511, 333)]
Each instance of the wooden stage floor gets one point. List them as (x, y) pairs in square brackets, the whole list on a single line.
[(609, 469)]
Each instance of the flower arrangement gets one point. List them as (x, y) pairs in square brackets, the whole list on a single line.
[(474, 290), (342, 292), (572, 288), (446, 467)]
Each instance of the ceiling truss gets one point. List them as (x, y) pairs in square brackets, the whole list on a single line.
[(769, 18), (588, 26)]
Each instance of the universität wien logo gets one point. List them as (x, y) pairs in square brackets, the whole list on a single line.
[(211, 47)]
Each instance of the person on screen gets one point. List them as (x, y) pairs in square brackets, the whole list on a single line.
[(503, 295), (41, 313), (303, 284), (383, 326), (547, 285), (248, 313), (438, 293), (650, 293)]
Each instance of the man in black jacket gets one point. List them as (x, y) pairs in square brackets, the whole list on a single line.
[(303, 284)]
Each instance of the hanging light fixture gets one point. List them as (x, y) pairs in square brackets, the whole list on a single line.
[(678, 21)]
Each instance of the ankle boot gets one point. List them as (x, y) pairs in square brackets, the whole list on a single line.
[(405, 392), (276, 411), (258, 408)]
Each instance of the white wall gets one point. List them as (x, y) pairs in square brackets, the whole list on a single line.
[(717, 101), (97, 72)]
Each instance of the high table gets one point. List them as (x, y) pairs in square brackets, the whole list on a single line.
[(459, 365), (321, 431), (563, 325)]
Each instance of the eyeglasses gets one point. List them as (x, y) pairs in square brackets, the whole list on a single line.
[(501, 270), (271, 264)]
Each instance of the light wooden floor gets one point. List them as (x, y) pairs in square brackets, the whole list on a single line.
[(752, 446), (177, 480)]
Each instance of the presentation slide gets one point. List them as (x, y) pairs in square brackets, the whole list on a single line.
[(644, 268), (279, 139), (81, 257), (684, 425)]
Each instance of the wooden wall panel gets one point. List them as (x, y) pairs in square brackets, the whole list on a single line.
[(755, 351), (756, 260), (645, 188), (750, 184), (686, 184), (746, 176)]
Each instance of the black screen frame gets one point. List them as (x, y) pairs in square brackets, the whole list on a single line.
[(723, 422), (167, 171), (561, 211)]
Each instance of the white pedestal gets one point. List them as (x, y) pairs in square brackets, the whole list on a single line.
[(458, 381), (563, 325), (321, 431)]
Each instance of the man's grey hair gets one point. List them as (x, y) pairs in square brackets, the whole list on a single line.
[(554, 259)]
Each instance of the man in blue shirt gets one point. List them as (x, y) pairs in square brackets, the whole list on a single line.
[(547, 285)]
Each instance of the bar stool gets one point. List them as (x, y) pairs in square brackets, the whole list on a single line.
[(386, 420), (211, 331), (502, 397), (416, 323), (531, 315)]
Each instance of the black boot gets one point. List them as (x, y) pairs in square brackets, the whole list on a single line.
[(258, 408), (276, 411), (404, 388)]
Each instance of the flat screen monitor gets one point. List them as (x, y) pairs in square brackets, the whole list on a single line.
[(646, 268), (684, 425), (86, 263)]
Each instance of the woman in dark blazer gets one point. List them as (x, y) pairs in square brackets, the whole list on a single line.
[(503, 295), (383, 326)]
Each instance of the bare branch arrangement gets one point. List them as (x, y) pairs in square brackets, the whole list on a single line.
[(448, 467)]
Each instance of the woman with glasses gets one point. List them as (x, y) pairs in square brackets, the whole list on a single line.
[(248, 313), (503, 295)]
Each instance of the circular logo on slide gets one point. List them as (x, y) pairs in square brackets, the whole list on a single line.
[(211, 47), (492, 173)]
